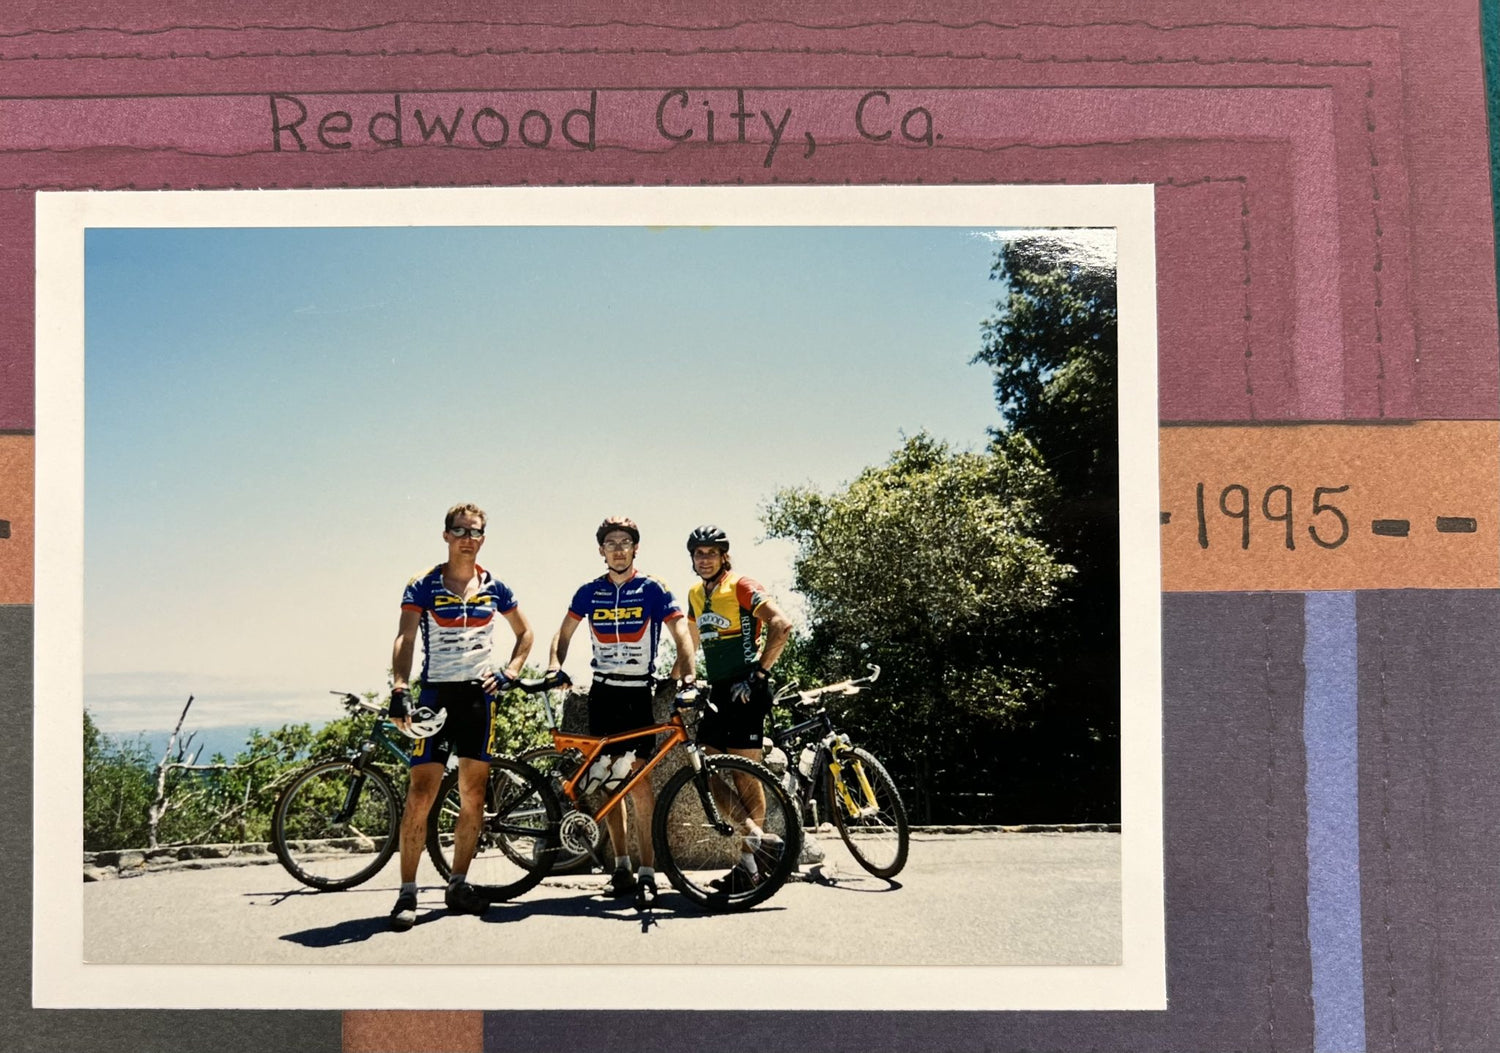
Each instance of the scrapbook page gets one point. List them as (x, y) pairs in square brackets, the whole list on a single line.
[(1169, 341)]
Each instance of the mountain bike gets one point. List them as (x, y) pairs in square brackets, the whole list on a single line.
[(704, 820), (862, 799), (337, 823)]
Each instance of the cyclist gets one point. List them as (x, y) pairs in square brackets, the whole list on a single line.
[(454, 607), (625, 610), (726, 613)]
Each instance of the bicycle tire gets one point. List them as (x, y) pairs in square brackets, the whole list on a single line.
[(543, 759), (323, 850), (517, 843), (881, 824), (690, 851)]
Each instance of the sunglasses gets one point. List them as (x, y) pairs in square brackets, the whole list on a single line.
[(463, 532)]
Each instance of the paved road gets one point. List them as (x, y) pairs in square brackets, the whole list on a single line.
[(991, 899)]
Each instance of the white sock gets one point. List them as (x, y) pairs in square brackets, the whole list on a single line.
[(408, 888), (645, 871), (622, 862), (747, 860)]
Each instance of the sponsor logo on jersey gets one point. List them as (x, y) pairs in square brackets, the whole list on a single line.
[(617, 614), (449, 601)]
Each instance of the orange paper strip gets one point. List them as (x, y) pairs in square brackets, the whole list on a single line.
[(413, 1031), (17, 469), (1330, 506)]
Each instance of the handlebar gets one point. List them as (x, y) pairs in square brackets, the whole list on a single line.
[(813, 696), (353, 703)]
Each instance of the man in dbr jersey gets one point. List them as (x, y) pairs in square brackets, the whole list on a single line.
[(454, 607), (625, 611), (726, 613)]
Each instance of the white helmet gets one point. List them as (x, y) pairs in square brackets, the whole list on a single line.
[(425, 723)]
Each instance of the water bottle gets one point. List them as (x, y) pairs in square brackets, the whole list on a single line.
[(806, 760), (620, 771), (595, 776)]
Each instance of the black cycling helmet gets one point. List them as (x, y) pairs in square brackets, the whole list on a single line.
[(618, 523), (707, 534)]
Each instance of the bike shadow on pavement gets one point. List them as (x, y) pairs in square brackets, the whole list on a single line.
[(668, 908)]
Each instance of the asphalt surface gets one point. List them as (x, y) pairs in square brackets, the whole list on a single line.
[(970, 899)]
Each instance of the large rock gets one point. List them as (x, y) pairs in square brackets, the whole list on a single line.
[(123, 859), (204, 851)]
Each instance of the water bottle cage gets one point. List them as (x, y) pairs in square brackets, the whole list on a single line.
[(568, 762)]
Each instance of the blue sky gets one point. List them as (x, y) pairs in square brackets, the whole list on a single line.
[(276, 420)]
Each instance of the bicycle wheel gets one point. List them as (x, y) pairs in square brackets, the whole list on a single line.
[(517, 843), (544, 759), (336, 825), (864, 805), (694, 852)]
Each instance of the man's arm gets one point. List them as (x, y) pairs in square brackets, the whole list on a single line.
[(524, 638), (778, 629), (560, 641), (402, 652), (687, 651)]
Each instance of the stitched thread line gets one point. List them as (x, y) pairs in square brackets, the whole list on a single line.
[(1270, 827), (1245, 255), (665, 52), (1392, 1018), (740, 24), (1375, 271)]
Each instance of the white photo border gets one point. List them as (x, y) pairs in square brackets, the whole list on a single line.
[(60, 977)]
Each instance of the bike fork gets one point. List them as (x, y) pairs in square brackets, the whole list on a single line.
[(705, 793), (351, 797)]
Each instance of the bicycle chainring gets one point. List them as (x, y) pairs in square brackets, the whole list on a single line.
[(578, 833)]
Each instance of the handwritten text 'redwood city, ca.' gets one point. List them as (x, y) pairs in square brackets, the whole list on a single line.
[(304, 123)]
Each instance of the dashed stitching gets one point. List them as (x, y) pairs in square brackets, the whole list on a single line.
[(1245, 256), (1385, 825), (1270, 824), (1243, 182), (1379, 247)]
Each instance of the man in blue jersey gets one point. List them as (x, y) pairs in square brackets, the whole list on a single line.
[(625, 611), (453, 607)]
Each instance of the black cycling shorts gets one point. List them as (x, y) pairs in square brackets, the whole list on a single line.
[(470, 727), (735, 725), (614, 708)]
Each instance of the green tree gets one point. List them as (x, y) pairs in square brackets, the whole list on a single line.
[(928, 566), (1052, 348), (117, 788)]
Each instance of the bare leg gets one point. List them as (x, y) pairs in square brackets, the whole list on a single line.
[(473, 775), (749, 801), (751, 791), (425, 780), (643, 801), (614, 822)]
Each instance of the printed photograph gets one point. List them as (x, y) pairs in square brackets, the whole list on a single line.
[(614, 594)]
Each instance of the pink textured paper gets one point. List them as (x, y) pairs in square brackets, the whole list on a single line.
[(1368, 329)]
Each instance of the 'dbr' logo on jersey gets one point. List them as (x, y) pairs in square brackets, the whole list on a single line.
[(441, 600), (618, 614)]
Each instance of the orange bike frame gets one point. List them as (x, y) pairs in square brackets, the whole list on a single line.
[(591, 746)]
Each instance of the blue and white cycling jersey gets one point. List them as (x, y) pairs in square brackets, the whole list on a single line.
[(625, 623), (457, 633)]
